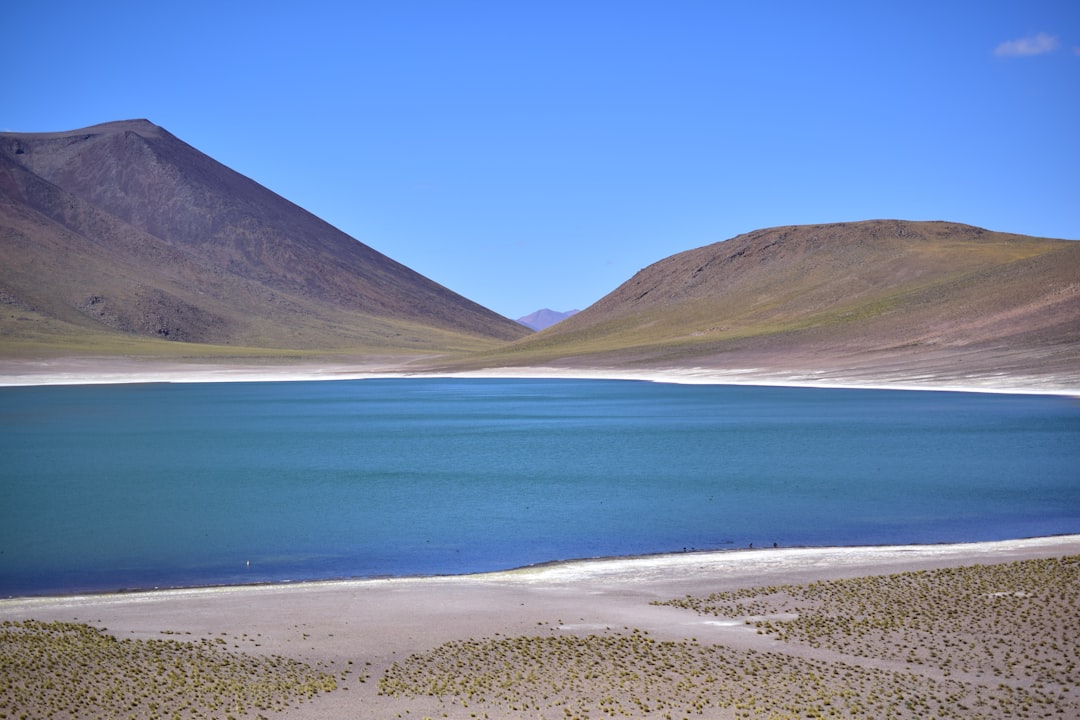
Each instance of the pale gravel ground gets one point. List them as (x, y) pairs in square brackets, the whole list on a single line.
[(381, 621)]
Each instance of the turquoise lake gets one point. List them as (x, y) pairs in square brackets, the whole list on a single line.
[(161, 485)]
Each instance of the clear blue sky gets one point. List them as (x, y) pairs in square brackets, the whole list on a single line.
[(531, 154)]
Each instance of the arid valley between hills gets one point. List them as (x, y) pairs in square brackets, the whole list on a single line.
[(122, 241), (127, 256)]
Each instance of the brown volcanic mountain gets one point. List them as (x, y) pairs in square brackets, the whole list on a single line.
[(122, 229), (871, 298)]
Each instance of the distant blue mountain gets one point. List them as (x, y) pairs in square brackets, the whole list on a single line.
[(545, 318)]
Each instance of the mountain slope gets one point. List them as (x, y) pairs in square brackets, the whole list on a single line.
[(123, 230), (852, 295)]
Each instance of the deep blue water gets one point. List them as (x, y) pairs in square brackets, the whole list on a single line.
[(108, 487)]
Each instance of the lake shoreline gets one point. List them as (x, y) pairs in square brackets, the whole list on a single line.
[(117, 371), (564, 568), (586, 567)]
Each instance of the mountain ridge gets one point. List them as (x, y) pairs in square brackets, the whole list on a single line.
[(119, 236)]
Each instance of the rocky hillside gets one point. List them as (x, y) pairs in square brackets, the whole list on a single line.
[(122, 230), (887, 295)]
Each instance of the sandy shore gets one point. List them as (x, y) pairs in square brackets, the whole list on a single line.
[(360, 628)]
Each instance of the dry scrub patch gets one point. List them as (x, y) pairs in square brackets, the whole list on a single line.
[(1017, 621), (632, 675), (984, 641), (72, 670)]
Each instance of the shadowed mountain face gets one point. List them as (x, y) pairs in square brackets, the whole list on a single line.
[(876, 294), (124, 228)]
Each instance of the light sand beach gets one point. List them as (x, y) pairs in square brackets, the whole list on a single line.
[(359, 630)]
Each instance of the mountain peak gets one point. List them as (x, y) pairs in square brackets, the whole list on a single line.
[(140, 126), (545, 318)]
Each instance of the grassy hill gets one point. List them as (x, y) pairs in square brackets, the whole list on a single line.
[(879, 294), (120, 238)]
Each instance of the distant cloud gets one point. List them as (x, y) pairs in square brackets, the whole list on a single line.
[(1032, 45)]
